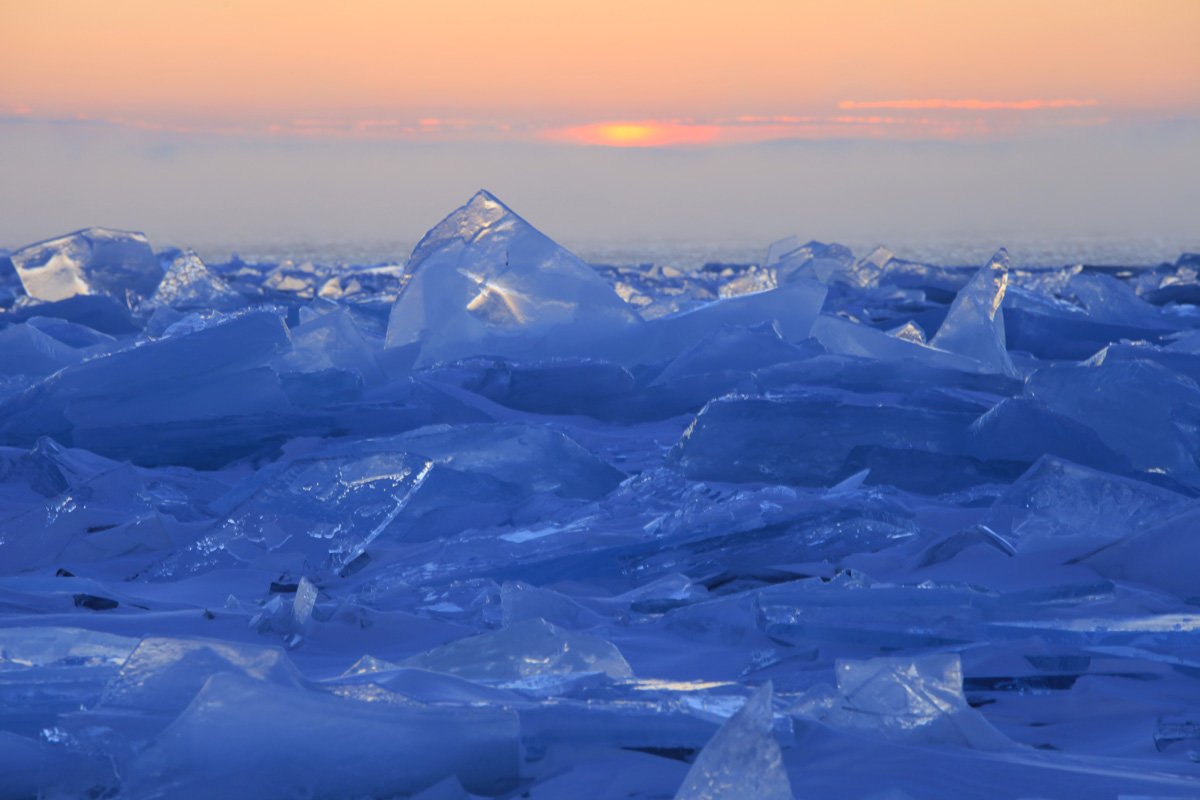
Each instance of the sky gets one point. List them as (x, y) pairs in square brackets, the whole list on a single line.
[(236, 123)]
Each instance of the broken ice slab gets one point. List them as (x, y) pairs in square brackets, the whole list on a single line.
[(805, 437), (1080, 626), (327, 508), (539, 458), (46, 671), (793, 307), (743, 758), (599, 389), (49, 468), (519, 601), (159, 680), (482, 473), (846, 764), (329, 504), (122, 402), (1022, 430), (525, 649), (303, 603), (332, 341), (423, 685), (37, 647), (913, 699), (43, 767), (90, 261), (25, 350), (1054, 329), (484, 281), (189, 284), (814, 261), (606, 771), (974, 326), (555, 386), (99, 312), (882, 268), (1178, 732), (909, 331), (781, 249), (873, 376), (1072, 510), (73, 531), (97, 509), (1140, 409), (166, 366), (1159, 553), (1182, 362), (735, 348), (322, 388), (883, 617), (1110, 300), (74, 335), (162, 675), (243, 738), (667, 717), (844, 337), (665, 593), (448, 789)]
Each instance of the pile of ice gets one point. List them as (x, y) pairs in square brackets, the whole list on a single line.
[(502, 524)]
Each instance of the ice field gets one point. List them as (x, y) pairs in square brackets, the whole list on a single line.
[(501, 523)]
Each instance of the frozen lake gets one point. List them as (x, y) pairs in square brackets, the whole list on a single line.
[(507, 520)]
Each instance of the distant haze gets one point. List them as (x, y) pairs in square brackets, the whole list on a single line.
[(1080, 192)]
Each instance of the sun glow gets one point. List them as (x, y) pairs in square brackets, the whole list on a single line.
[(648, 133)]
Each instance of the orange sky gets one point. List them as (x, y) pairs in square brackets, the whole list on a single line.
[(641, 72)]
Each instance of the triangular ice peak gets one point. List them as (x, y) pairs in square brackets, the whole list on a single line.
[(974, 326), (742, 760), (482, 212), (484, 281)]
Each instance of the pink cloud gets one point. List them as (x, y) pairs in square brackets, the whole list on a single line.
[(969, 105)]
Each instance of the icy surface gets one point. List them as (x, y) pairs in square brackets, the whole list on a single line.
[(499, 523)]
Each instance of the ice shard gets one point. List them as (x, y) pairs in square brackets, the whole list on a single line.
[(793, 307), (524, 649), (325, 508), (242, 738), (332, 341), (189, 284), (484, 281), (911, 699), (815, 260), (536, 457), (128, 403), (1157, 552), (739, 438), (25, 350), (974, 325), (162, 675), (733, 348), (1017, 429), (743, 758), (1140, 409), (1065, 507), (91, 261), (848, 338)]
